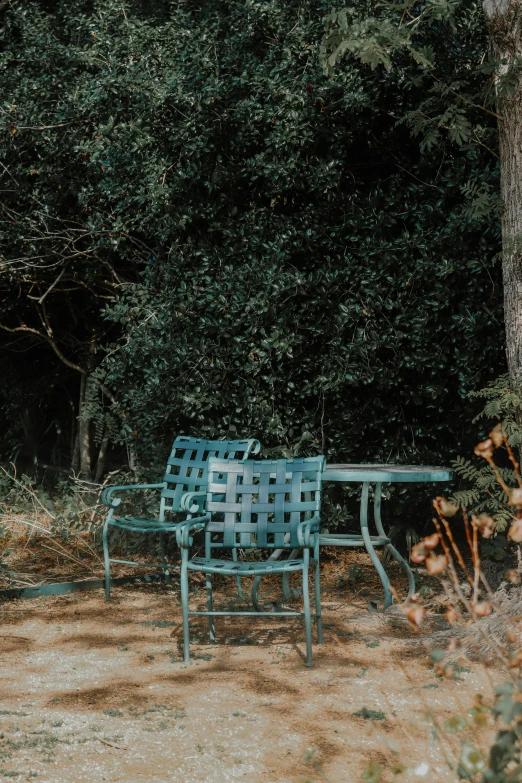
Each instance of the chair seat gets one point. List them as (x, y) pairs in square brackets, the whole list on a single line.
[(245, 567), (350, 539), (138, 525)]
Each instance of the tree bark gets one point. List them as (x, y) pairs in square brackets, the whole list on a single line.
[(84, 428), (75, 459), (102, 456), (132, 460), (504, 18), (75, 454)]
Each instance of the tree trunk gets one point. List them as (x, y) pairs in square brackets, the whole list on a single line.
[(75, 460), (84, 429), (102, 456), (504, 19), (132, 459), (75, 456)]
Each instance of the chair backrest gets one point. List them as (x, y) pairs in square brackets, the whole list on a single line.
[(187, 466), (260, 504)]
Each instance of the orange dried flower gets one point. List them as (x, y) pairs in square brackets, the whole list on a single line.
[(484, 449), (515, 531), (481, 608), (418, 554), (484, 524), (515, 497), (436, 564), (430, 542), (497, 435), (451, 615), (444, 507), (415, 613)]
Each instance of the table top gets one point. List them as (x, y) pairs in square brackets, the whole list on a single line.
[(389, 473)]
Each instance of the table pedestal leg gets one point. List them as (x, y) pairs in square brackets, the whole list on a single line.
[(388, 597), (398, 557), (372, 605)]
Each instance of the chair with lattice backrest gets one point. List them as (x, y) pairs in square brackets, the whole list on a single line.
[(261, 505), (183, 492)]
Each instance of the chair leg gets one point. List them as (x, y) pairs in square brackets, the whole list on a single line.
[(255, 587), (286, 575), (185, 606), (317, 588), (276, 554), (208, 584), (105, 537), (238, 578), (166, 571), (306, 603)]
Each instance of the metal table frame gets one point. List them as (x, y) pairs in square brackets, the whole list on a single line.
[(366, 475)]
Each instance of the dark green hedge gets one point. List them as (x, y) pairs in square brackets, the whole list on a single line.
[(307, 275)]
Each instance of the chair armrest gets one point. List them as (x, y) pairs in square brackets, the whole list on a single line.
[(185, 528), (187, 501), (115, 502), (306, 528)]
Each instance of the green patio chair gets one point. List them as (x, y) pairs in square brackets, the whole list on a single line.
[(267, 505), (186, 472)]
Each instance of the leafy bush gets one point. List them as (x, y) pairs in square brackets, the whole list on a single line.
[(298, 303), (486, 493), (288, 264)]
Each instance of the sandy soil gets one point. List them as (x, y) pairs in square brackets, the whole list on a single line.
[(92, 691)]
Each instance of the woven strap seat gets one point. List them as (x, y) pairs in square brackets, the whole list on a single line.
[(244, 568), (138, 525), (185, 477), (263, 505), (350, 539)]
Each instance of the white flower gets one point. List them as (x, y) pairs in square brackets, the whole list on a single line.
[(472, 760)]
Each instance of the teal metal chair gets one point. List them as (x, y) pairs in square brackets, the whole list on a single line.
[(185, 478), (266, 505)]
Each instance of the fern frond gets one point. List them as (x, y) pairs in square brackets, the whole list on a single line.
[(465, 468), (465, 498)]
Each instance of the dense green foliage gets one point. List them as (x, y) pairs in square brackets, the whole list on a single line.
[(450, 67), (267, 250), (482, 492)]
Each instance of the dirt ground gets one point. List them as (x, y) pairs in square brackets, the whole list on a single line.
[(96, 691)]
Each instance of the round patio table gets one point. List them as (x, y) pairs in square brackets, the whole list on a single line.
[(377, 475), (366, 475)]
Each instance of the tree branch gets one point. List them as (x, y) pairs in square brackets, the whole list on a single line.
[(40, 301), (468, 101), (110, 396), (44, 127), (51, 342), (485, 146)]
